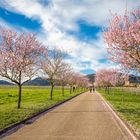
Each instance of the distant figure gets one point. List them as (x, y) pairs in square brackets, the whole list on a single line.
[(90, 89), (73, 88), (93, 89)]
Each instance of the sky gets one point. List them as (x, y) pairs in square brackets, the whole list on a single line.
[(75, 26)]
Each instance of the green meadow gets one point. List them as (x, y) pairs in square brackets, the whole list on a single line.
[(34, 99), (126, 101)]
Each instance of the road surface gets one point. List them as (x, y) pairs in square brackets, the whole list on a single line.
[(85, 117)]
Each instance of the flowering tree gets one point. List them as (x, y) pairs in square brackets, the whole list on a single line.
[(110, 77), (83, 81), (75, 80), (103, 78), (18, 55), (64, 76), (123, 39), (53, 65), (71, 80), (78, 80)]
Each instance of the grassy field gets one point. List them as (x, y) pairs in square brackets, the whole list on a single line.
[(126, 103), (34, 99)]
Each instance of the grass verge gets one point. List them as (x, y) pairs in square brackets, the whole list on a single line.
[(34, 99), (127, 104)]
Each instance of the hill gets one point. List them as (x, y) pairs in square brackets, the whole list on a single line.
[(91, 77), (35, 82), (38, 82), (3, 82), (132, 78)]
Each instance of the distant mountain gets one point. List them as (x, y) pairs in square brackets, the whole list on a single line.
[(134, 79), (35, 82), (42, 82), (38, 82), (3, 82), (91, 77)]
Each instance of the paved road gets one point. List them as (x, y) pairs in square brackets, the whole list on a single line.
[(85, 117)]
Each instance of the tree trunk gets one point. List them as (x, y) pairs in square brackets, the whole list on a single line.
[(51, 94), (19, 96), (77, 89), (105, 90), (62, 90), (108, 90), (122, 95), (70, 89)]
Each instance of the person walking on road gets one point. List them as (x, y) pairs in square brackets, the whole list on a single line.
[(93, 88), (90, 89)]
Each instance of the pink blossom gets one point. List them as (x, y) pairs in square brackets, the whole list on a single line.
[(19, 53), (123, 39)]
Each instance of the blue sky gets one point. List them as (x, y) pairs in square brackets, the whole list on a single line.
[(86, 31), (72, 25), (19, 20)]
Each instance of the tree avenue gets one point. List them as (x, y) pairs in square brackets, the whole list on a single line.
[(64, 76), (58, 72), (22, 55), (23, 58), (53, 65)]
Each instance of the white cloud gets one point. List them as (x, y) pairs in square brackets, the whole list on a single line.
[(61, 15)]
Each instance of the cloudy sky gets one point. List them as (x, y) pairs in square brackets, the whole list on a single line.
[(74, 26)]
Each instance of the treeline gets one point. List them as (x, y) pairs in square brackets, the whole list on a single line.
[(107, 78), (22, 57)]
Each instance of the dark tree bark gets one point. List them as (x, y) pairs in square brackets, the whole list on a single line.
[(51, 94), (70, 89), (19, 96), (108, 90), (62, 90)]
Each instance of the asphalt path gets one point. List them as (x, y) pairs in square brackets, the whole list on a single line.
[(86, 117)]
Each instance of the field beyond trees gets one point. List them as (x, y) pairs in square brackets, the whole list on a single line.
[(34, 99), (126, 101)]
